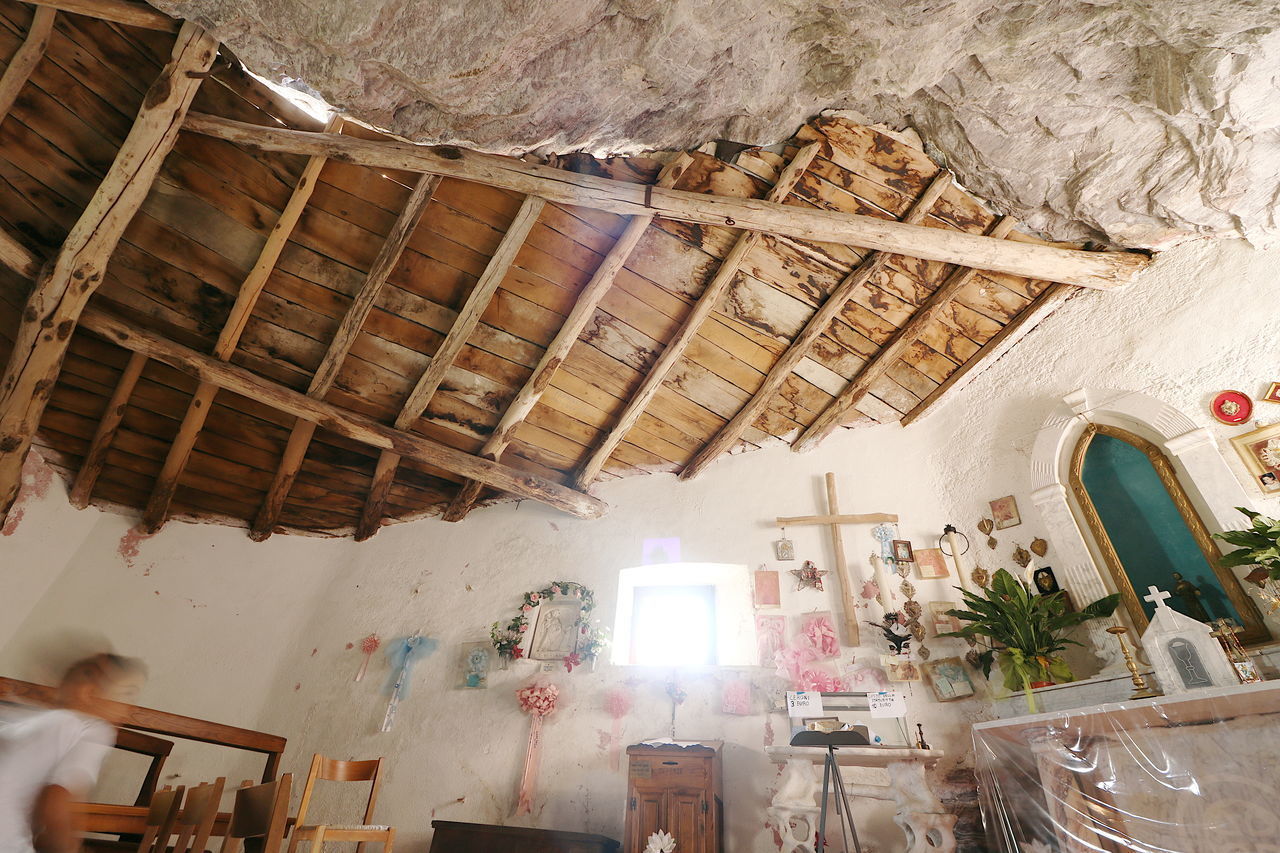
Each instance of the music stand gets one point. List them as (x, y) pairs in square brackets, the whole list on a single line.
[(831, 770)]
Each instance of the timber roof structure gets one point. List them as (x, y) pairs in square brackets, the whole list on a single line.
[(214, 306)]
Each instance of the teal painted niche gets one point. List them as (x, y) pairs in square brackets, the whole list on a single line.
[(1148, 533)]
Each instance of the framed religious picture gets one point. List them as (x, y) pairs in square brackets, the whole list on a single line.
[(555, 631), (943, 622), (949, 680), (766, 589), (1004, 511), (1259, 449), (902, 551), (1232, 407), (1273, 393), (477, 662), (931, 564)]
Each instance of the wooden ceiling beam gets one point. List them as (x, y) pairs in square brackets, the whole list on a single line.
[(18, 257), (1104, 270), (118, 11), (870, 266), (237, 380), (584, 309), (96, 456), (840, 409), (175, 462), (1049, 300), (325, 375), (707, 302), (25, 59), (463, 325), (64, 287)]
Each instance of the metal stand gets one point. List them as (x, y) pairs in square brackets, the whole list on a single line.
[(832, 769)]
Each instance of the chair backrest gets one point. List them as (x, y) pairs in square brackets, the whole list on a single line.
[(258, 817), (195, 822), (156, 748), (161, 816), (332, 770)]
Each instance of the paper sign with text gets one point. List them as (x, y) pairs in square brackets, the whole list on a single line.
[(888, 704), (804, 704)]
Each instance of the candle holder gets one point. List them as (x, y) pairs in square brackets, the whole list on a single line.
[(1141, 689)]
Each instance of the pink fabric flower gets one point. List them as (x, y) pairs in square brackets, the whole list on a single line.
[(820, 635), (791, 663), (527, 608), (818, 681), (524, 628), (538, 699)]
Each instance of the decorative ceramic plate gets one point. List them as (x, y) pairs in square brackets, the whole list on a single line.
[(1232, 407)]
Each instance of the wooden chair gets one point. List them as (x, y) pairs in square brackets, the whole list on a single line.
[(330, 770), (161, 816), (258, 817), (195, 822), (157, 749)]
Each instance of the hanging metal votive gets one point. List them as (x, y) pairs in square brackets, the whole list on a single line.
[(784, 549)]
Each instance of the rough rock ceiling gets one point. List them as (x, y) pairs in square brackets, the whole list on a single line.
[(1134, 121)]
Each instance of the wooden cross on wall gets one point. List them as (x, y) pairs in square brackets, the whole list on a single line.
[(832, 521)]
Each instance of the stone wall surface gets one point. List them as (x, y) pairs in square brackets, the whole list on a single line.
[(1132, 121)]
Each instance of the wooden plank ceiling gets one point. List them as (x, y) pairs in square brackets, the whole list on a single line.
[(437, 306)]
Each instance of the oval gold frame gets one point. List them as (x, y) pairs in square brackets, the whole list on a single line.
[(1255, 631)]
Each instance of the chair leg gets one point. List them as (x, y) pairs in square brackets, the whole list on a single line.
[(390, 842), (317, 840)]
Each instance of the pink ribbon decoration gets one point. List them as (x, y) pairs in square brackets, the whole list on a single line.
[(820, 635), (791, 663), (618, 703), (537, 700), (769, 636), (368, 646)]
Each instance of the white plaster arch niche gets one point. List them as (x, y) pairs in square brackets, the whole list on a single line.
[(1204, 474)]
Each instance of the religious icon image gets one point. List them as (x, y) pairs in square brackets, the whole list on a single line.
[(1022, 556), (477, 661), (1004, 512), (1231, 407), (1190, 596), (1045, 580), (809, 576), (784, 549), (949, 680), (555, 633), (1273, 393), (902, 551), (1259, 449)]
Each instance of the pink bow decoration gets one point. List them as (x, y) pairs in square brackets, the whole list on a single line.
[(537, 700), (820, 635)]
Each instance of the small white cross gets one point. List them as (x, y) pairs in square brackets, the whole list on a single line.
[(1157, 597)]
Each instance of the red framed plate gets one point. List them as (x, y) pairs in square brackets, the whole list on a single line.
[(1232, 407)]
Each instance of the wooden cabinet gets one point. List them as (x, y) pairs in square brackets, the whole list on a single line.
[(675, 787)]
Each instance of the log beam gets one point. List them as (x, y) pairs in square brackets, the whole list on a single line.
[(463, 325), (327, 416), (24, 61), (64, 286), (339, 348), (18, 257), (175, 461), (1104, 270), (871, 265), (583, 310), (707, 302), (118, 11), (839, 409), (96, 457)]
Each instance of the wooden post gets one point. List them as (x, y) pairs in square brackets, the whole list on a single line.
[(465, 323), (701, 310), (841, 408), (583, 310), (834, 305), (327, 416), (363, 302), (63, 289), (24, 61), (175, 462)]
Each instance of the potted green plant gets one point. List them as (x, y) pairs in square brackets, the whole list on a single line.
[(1025, 632), (1258, 545)]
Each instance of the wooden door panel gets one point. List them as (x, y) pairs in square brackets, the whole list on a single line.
[(686, 820)]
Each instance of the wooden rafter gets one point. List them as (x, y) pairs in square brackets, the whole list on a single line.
[(118, 11), (64, 287), (701, 310), (22, 63), (18, 257), (839, 409), (175, 461), (1104, 270), (465, 323), (583, 310), (1049, 300), (871, 265), (327, 416), (96, 457), (339, 347)]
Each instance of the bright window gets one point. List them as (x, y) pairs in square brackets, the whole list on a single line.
[(684, 614)]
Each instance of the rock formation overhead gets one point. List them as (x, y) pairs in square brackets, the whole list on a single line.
[(1134, 122)]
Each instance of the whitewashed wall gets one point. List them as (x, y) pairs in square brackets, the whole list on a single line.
[(256, 634)]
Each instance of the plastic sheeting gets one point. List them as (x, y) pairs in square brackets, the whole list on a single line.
[(1189, 773)]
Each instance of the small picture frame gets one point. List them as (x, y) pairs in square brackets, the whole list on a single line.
[(902, 551), (943, 622), (931, 564), (1259, 450), (555, 631), (1273, 393), (949, 680), (476, 663), (900, 668), (1046, 582), (1004, 511), (767, 589)]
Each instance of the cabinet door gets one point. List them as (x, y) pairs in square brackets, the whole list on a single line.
[(687, 820), (644, 818)]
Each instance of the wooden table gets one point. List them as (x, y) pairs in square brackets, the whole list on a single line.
[(125, 820)]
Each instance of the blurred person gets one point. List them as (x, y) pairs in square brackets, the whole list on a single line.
[(51, 758)]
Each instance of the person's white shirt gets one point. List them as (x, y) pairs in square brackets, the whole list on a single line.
[(56, 747)]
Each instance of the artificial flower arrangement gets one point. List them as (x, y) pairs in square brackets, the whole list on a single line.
[(593, 638), (1259, 546)]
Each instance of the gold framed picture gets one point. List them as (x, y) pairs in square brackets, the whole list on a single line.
[(1005, 512), (1259, 450), (1273, 393)]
